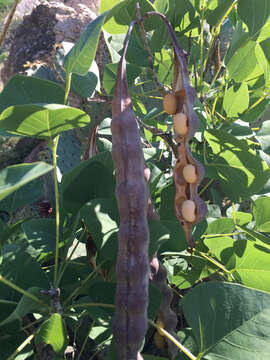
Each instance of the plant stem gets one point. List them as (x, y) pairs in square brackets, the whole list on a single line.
[(171, 338), (22, 291), (21, 347), (67, 261), (213, 261), (77, 290), (57, 209), (68, 84), (9, 19), (206, 186), (90, 305)]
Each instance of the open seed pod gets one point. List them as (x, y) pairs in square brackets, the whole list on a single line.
[(189, 208), (131, 300), (188, 172)]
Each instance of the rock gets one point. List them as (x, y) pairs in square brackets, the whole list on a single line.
[(49, 23)]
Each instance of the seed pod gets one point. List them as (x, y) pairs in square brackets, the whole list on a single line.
[(130, 320), (185, 96)]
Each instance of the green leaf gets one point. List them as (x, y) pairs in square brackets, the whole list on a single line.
[(214, 16), (110, 72), (23, 270), (199, 269), (261, 211), (220, 226), (256, 15), (246, 260), (238, 67), (159, 234), (42, 121), (236, 100), (22, 89), (80, 57), (84, 85), (241, 171), (229, 321), (124, 12), (53, 331), (25, 306), (263, 63), (41, 234), (25, 195), (115, 6), (102, 228), (263, 136), (89, 180), (14, 177)]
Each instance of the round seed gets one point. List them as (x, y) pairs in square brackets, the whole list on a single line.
[(189, 210)]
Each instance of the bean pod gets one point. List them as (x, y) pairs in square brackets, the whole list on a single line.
[(130, 320)]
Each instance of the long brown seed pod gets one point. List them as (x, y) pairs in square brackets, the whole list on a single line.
[(130, 320), (188, 172)]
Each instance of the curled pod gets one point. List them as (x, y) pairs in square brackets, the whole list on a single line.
[(132, 270)]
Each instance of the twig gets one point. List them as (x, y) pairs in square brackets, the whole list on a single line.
[(140, 20), (166, 136), (7, 23)]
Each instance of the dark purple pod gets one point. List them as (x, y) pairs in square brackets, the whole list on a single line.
[(131, 300)]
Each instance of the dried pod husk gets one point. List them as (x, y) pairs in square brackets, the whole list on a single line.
[(131, 300), (185, 96)]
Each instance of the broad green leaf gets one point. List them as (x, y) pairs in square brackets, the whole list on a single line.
[(263, 136), (221, 247), (256, 15), (241, 218), (53, 331), (229, 321), (110, 72), (199, 269), (42, 121), (215, 15), (238, 66), (89, 180), (14, 177), (239, 39), (80, 57), (241, 171), (22, 89), (84, 85), (263, 62), (7, 232), (246, 260), (23, 270), (25, 195), (220, 226), (41, 234), (261, 211), (256, 112), (25, 306), (124, 12), (236, 100), (159, 234), (115, 6), (102, 228)]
